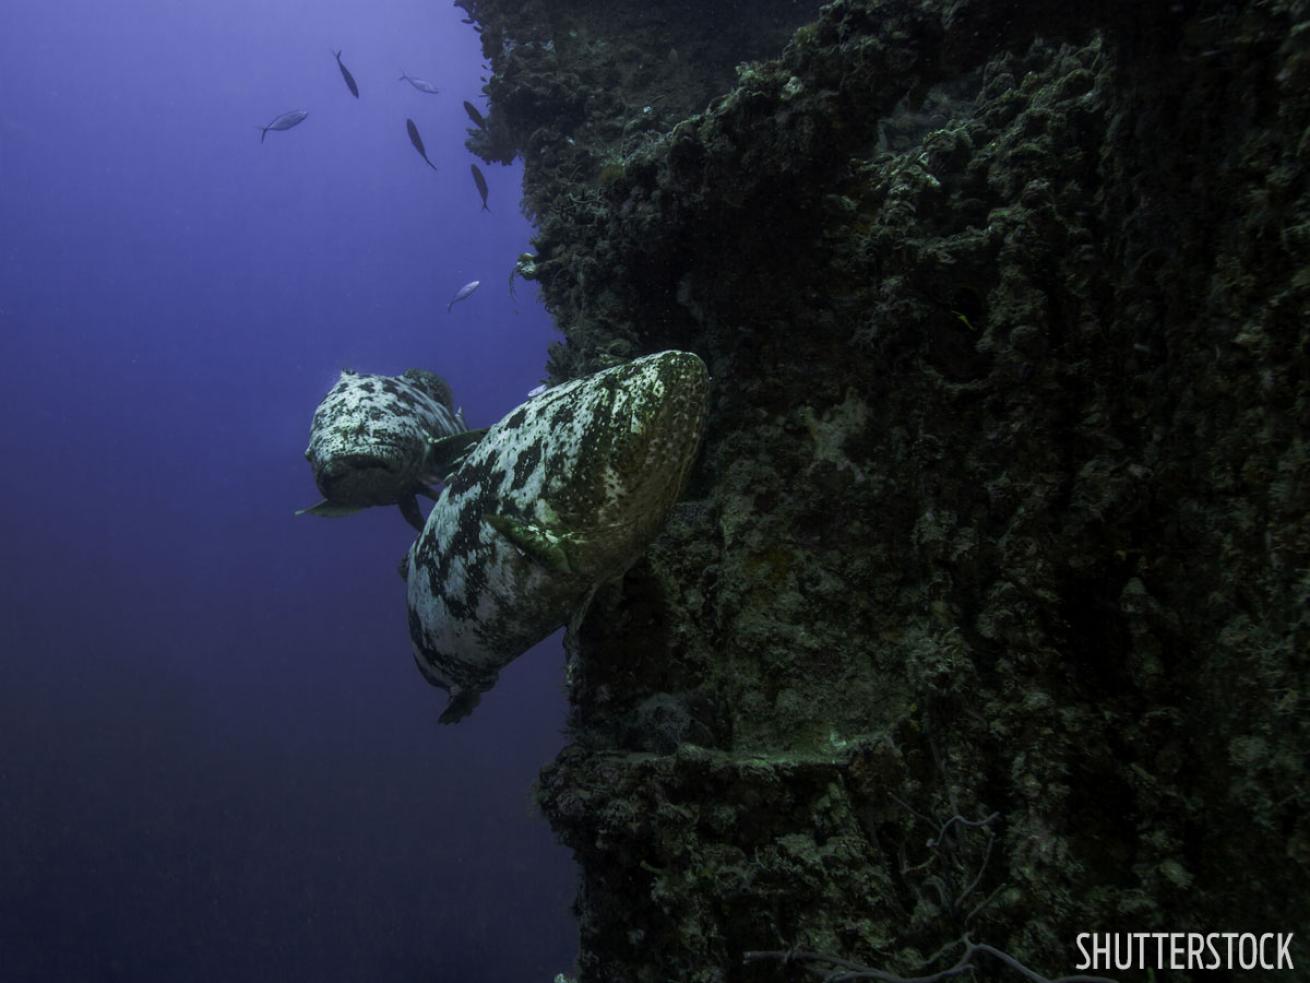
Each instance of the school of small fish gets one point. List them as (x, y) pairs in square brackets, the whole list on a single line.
[(295, 117)]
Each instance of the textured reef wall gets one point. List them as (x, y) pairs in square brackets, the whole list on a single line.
[(1004, 505)]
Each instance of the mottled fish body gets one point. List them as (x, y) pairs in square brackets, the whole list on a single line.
[(417, 141), (562, 494), (463, 293), (421, 84), (481, 183), (474, 115), (345, 74), (284, 122), (383, 440)]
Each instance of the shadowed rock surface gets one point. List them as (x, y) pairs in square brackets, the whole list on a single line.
[(1004, 504)]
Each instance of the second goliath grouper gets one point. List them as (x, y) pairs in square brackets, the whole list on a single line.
[(562, 494), (384, 440)]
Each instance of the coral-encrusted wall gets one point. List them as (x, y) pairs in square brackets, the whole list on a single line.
[(1004, 505)]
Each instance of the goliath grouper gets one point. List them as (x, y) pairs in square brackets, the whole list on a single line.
[(562, 494), (383, 440)]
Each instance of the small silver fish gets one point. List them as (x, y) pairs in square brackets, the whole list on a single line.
[(345, 74), (478, 120), (420, 84), (417, 141), (536, 391), (283, 122), (481, 183), (464, 293)]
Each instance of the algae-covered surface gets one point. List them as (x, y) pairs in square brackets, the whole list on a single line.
[(1003, 511)]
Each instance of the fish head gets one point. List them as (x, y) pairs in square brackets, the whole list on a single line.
[(641, 426), (365, 446), (366, 475)]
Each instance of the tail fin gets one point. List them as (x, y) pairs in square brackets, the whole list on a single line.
[(263, 130), (336, 54), (404, 76)]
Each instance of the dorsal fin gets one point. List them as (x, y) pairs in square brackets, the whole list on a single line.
[(432, 384)]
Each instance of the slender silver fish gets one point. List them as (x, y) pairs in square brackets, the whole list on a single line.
[(417, 141), (481, 182), (478, 120), (464, 293), (421, 84), (345, 74), (283, 122)]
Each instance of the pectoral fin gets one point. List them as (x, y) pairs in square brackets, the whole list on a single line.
[(575, 621), (462, 702), (329, 510), (409, 509), (537, 542)]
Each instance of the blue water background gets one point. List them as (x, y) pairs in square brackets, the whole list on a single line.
[(218, 761)]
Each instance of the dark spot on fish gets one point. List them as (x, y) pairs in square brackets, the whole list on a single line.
[(366, 387), (472, 475), (557, 463), (516, 421), (464, 544), (565, 414), (526, 465), (475, 582), (456, 606)]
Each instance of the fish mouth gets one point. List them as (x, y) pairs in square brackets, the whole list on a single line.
[(354, 477), (358, 462)]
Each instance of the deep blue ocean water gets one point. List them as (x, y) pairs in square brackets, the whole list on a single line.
[(218, 761)]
